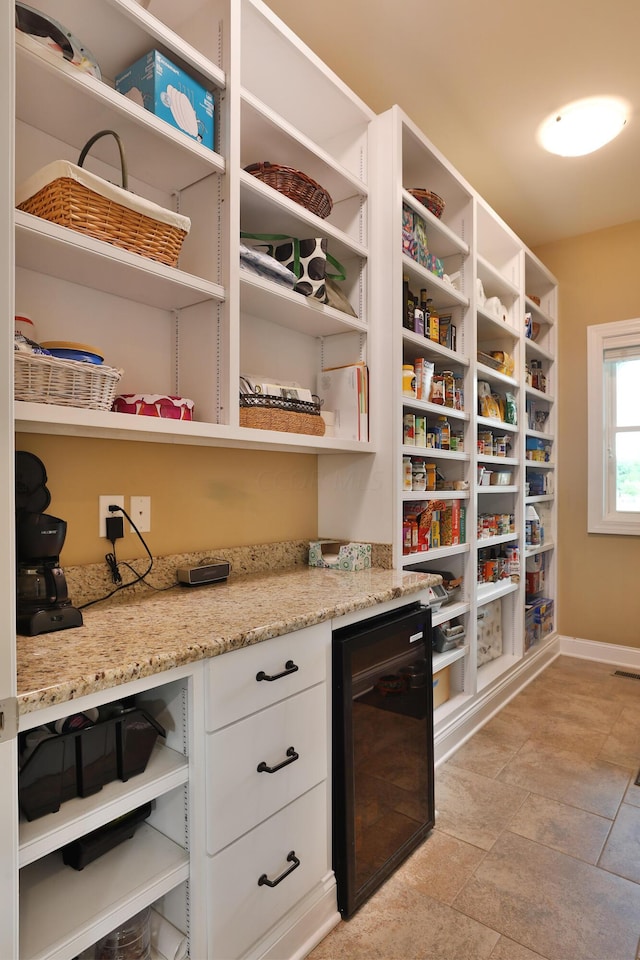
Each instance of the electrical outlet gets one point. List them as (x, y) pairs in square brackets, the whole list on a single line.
[(104, 512), (140, 513)]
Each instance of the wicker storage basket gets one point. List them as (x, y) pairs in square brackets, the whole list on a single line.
[(70, 383), (262, 412), (429, 199), (295, 185), (70, 196)]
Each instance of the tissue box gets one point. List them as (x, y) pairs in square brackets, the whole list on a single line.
[(161, 87), (338, 555)]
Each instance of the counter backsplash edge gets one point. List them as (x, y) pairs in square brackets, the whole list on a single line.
[(90, 582)]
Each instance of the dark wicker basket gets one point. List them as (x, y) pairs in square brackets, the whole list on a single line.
[(428, 199), (263, 412), (295, 185)]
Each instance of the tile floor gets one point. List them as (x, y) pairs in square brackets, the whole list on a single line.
[(536, 850)]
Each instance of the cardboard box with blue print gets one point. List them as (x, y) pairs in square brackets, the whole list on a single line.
[(158, 85), (339, 555)]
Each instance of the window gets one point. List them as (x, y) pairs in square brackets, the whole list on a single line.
[(613, 372)]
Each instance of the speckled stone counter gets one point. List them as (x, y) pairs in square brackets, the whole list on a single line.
[(124, 641)]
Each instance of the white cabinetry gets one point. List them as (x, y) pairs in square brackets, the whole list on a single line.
[(191, 329), (64, 911), (268, 797), (481, 477)]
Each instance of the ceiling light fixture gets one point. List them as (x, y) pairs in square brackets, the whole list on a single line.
[(583, 126)]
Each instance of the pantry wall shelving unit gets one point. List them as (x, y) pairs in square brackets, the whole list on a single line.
[(492, 277), (192, 329)]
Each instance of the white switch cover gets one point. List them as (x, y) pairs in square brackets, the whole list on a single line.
[(104, 512), (140, 512)]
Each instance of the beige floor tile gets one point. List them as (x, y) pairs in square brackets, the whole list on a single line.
[(586, 782), (474, 808), (508, 950), (621, 854), (623, 743), (484, 753), (563, 827), (559, 907), (551, 701), (441, 866), (400, 923)]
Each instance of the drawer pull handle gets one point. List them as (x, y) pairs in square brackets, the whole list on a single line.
[(291, 756), (264, 879), (289, 667)]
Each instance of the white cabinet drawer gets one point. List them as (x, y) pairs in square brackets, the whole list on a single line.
[(297, 659), (240, 910), (238, 794)]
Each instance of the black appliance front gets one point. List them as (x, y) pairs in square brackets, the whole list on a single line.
[(383, 772)]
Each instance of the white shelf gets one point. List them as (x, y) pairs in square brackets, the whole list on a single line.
[(433, 452), (498, 461), (64, 911), (533, 349), (540, 435), (434, 349), (542, 498), (278, 304), (494, 376), (530, 551), (426, 407), (491, 327), (497, 424), (91, 105), (483, 542), (537, 313), (435, 495), (489, 672), (76, 422), (497, 488), (442, 660), (448, 612), (539, 464), (493, 591), (436, 554), (493, 280), (267, 134), (442, 239), (540, 394), (260, 204), (59, 252), (165, 770), (443, 294)]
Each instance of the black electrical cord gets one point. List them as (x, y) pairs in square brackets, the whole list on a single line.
[(113, 564)]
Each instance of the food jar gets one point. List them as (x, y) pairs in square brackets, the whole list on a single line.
[(408, 381)]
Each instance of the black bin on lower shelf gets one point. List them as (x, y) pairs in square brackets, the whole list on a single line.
[(80, 763)]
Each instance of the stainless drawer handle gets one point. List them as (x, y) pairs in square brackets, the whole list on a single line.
[(264, 879), (289, 667), (291, 756)]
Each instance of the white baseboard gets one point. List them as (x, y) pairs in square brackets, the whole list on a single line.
[(613, 653), (304, 927)]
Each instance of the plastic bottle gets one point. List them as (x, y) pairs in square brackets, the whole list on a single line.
[(408, 381), (445, 433)]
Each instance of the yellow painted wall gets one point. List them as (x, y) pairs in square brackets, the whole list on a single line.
[(598, 576), (201, 497)]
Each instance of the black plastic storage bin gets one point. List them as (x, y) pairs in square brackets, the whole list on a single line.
[(78, 764)]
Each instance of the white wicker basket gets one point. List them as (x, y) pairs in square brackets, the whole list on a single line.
[(71, 383)]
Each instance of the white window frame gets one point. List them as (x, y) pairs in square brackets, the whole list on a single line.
[(602, 514)]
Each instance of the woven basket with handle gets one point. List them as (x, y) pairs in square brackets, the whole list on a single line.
[(71, 204)]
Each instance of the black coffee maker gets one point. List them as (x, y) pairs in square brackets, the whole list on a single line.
[(43, 604)]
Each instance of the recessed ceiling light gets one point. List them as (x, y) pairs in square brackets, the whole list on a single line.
[(583, 126)]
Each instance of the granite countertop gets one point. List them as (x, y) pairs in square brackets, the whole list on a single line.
[(122, 642)]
